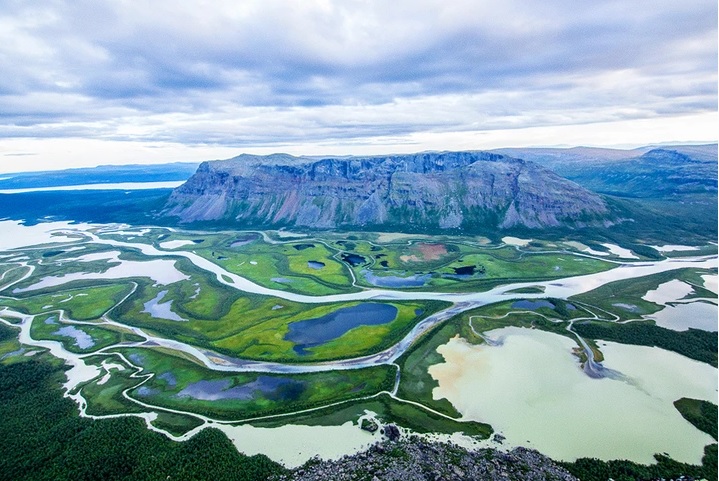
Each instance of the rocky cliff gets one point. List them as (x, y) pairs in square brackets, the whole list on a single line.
[(445, 190)]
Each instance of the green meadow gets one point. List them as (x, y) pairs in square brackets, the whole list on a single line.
[(80, 303), (387, 410), (223, 319), (78, 338)]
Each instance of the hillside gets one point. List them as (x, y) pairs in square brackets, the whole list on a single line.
[(658, 173), (669, 191)]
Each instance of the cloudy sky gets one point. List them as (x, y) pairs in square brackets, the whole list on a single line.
[(122, 81)]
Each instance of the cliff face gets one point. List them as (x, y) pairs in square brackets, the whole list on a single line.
[(460, 190)]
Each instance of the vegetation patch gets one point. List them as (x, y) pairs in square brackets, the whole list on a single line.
[(182, 385), (702, 414), (624, 298), (388, 410), (693, 343), (80, 304), (44, 438)]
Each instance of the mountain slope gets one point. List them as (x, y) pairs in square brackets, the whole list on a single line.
[(669, 191), (446, 190), (658, 173)]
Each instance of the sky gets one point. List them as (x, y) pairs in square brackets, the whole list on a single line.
[(114, 82)]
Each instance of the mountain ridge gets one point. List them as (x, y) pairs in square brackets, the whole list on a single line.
[(446, 190)]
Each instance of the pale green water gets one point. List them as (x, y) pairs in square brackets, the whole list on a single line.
[(532, 390)]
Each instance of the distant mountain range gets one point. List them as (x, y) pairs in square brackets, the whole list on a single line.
[(463, 191), (104, 174), (653, 193), (658, 173)]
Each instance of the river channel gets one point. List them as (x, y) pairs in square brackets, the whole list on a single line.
[(81, 372)]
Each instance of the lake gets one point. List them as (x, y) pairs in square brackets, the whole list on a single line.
[(531, 390), (415, 280), (314, 332)]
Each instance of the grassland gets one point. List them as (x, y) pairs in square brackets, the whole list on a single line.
[(78, 338), (416, 383), (345, 259), (220, 318), (464, 267), (284, 266), (693, 343), (702, 414), (9, 273), (80, 303)]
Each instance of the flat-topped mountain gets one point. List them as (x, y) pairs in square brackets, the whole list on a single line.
[(434, 190)]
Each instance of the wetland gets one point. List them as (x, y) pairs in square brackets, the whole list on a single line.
[(311, 333)]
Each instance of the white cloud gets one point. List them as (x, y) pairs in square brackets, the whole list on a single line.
[(19, 155), (265, 74)]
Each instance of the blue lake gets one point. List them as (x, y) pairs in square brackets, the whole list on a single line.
[(353, 259), (416, 280), (270, 387), (314, 332), (532, 304)]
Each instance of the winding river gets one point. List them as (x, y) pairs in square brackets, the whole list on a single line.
[(461, 302), (561, 288)]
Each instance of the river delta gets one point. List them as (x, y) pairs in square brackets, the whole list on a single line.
[(193, 329)]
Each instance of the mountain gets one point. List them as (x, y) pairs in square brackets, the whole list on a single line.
[(648, 172), (467, 191), (669, 191)]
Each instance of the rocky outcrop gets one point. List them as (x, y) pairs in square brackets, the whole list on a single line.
[(420, 460), (446, 190)]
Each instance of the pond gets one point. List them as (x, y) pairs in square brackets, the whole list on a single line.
[(301, 247), (82, 339), (314, 332), (464, 270), (316, 265), (671, 291), (272, 387), (161, 271), (281, 280), (627, 307), (531, 390), (680, 317), (415, 280), (175, 244), (244, 240), (353, 259), (159, 310), (532, 305), (292, 445), (169, 378)]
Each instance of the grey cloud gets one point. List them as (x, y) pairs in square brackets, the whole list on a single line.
[(110, 64)]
